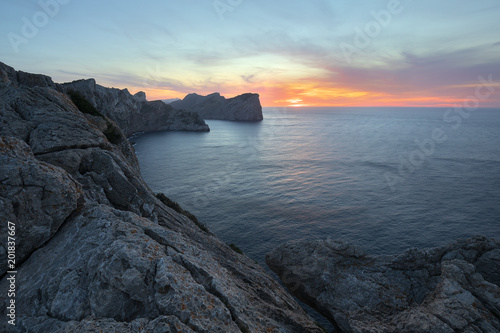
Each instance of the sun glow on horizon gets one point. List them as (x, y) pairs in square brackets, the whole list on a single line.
[(322, 92), (326, 98)]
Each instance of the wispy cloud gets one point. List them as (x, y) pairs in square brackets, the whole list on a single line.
[(248, 77)]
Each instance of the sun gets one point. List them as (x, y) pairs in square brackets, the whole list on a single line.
[(295, 102)]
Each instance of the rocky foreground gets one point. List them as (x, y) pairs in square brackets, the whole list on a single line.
[(96, 250), (452, 288), (245, 107)]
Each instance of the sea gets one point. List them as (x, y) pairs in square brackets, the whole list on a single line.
[(386, 179)]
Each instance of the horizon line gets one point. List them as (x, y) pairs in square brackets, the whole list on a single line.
[(372, 106)]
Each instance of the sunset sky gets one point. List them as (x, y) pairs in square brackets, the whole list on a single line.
[(293, 53)]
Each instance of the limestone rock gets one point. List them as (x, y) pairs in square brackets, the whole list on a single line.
[(452, 288), (162, 324), (245, 107), (37, 197), (133, 113), (47, 119), (164, 117), (116, 271), (34, 80), (140, 95)]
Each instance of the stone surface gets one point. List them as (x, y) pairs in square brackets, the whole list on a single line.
[(245, 107), (37, 197), (46, 119), (97, 251), (452, 288), (133, 113)]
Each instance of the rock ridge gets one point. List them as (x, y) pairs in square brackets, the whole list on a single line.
[(245, 107), (133, 113), (451, 288)]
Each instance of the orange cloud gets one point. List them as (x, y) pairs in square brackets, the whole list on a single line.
[(320, 92)]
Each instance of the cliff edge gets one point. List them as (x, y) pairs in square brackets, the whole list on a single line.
[(133, 113), (96, 250), (245, 107)]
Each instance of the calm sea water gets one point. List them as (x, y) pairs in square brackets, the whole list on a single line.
[(383, 178)]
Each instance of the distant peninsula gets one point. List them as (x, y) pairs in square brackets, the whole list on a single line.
[(245, 107)]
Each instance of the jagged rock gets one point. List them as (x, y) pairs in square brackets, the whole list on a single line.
[(164, 117), (140, 95), (34, 80), (37, 197), (452, 288), (116, 258), (133, 113), (162, 324), (116, 271), (38, 114), (245, 107)]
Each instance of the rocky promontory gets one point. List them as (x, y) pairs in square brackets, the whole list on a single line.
[(245, 107), (96, 249), (452, 288), (133, 113)]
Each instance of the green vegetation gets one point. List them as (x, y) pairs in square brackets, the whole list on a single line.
[(235, 248), (83, 104), (190, 117), (175, 206), (112, 133)]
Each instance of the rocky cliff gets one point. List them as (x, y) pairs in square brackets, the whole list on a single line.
[(133, 113), (244, 107), (452, 288), (96, 250)]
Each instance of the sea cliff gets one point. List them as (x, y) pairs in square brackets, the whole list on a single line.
[(96, 249), (133, 113), (245, 107)]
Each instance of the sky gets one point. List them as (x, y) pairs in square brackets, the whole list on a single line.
[(293, 53)]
